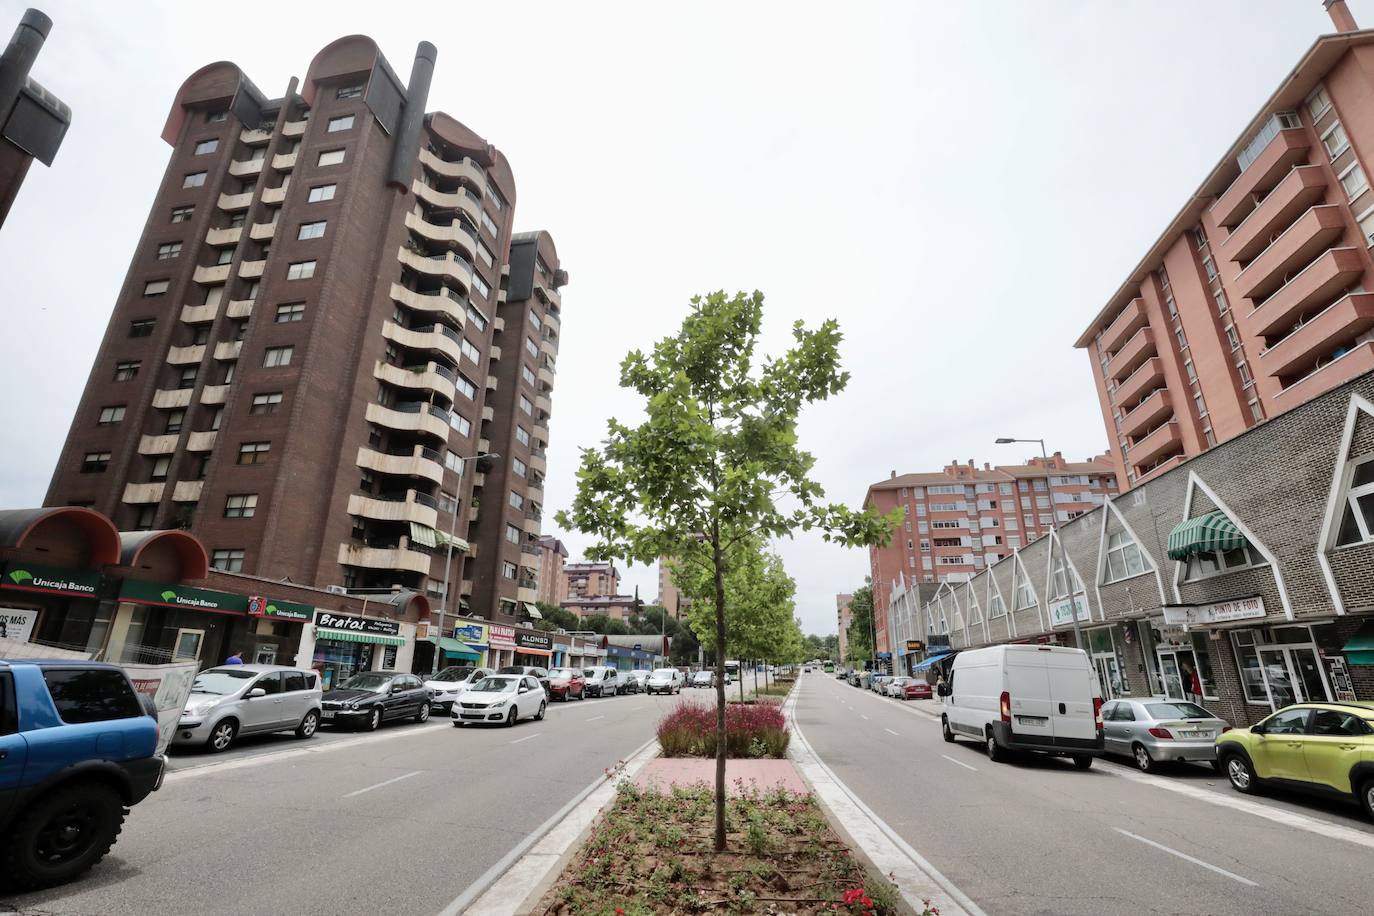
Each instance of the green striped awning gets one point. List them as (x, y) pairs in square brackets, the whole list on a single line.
[(1210, 532), (457, 647), (350, 636), (1360, 649), (423, 535), (443, 539)]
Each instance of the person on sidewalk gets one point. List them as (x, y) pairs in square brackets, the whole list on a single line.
[(235, 659)]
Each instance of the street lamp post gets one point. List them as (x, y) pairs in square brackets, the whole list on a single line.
[(1054, 527), (448, 565)]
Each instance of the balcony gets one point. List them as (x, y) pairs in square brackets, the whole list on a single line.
[(531, 525), (535, 493), (228, 350), (433, 303), (255, 137), (537, 461), (459, 200), (252, 270), (464, 168), (548, 347), (187, 491), (436, 338), (198, 314), (540, 431), (1145, 451), (1149, 375), (422, 462), (1300, 189), (274, 195), (401, 507), (527, 595), (1131, 319), (429, 377), (214, 394), (1312, 233), (545, 376), (541, 402), (1132, 353), (284, 162), (439, 265), (140, 494), (1356, 362), (241, 168), (551, 320), (400, 557), (158, 445), (498, 323), (491, 383), (494, 353), (239, 308), (1347, 319), (1142, 476), (1323, 280), (483, 446), (1287, 149), (465, 587), (454, 232), (186, 356), (1148, 414), (221, 238), (211, 274), (411, 417), (201, 441), (488, 413), (232, 202), (262, 231), (171, 398), (294, 128)]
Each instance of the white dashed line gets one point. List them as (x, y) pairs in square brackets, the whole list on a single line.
[(386, 783), (891, 732), (959, 763), (527, 737), (1187, 858)]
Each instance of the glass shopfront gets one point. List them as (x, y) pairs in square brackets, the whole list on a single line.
[(1280, 667), (1111, 673), (1180, 662), (346, 645)]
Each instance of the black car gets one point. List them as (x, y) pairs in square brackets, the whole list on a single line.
[(539, 674), (366, 700)]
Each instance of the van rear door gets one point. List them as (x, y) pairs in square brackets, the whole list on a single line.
[(1071, 695), (1028, 683)]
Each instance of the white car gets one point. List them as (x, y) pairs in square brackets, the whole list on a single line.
[(895, 686), (664, 680), (449, 683), (602, 680), (704, 678), (500, 698)]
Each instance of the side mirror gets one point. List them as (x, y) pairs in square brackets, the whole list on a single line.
[(1257, 730), (524, 690), (397, 688), (255, 693)]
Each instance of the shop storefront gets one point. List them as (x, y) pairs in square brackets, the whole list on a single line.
[(501, 645), (533, 648), (1108, 662), (345, 645), (60, 607), (463, 645)]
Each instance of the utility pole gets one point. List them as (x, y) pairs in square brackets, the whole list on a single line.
[(33, 121)]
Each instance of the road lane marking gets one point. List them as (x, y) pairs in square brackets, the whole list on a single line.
[(527, 737), (594, 718), (1187, 858), (323, 747), (386, 783), (959, 763), (864, 717), (891, 732)]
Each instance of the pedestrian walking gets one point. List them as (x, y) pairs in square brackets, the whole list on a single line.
[(1192, 684), (235, 659)]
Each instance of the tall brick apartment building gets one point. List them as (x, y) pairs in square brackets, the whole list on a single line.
[(963, 518), (1255, 297), (318, 333)]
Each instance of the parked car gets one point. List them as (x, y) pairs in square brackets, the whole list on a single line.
[(916, 689), (664, 680), (892, 687), (1155, 731), (448, 684), (539, 674), (878, 681), (1325, 748), (703, 678), (234, 700), (372, 697), (567, 684), (636, 679), (842, 674), (78, 749), (603, 680), (505, 698), (1033, 698)]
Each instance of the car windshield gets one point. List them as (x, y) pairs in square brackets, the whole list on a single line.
[(221, 681), (512, 669), (662, 673), (496, 685), (1177, 711), (562, 674), (454, 674), (589, 672), (377, 683)]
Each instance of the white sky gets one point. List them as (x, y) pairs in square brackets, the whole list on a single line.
[(961, 184)]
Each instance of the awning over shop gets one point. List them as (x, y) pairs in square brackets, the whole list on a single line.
[(533, 612), (443, 539), (526, 650), (1206, 533), (925, 665), (1360, 649), (350, 636), (457, 647), (423, 535)]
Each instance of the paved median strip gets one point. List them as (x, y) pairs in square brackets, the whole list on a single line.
[(1187, 858)]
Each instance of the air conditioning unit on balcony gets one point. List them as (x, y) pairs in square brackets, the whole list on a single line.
[(336, 589)]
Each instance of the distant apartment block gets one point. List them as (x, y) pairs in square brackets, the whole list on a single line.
[(591, 579), (617, 607), (553, 586)]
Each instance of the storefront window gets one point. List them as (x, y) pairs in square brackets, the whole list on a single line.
[(1204, 666), (339, 661), (1251, 675)]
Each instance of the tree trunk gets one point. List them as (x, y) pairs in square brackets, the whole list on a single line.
[(720, 685), (756, 678)]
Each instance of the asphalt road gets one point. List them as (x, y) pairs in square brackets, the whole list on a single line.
[(1037, 836), (397, 821)]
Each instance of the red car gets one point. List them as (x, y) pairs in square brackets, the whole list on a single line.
[(917, 690), (566, 684)]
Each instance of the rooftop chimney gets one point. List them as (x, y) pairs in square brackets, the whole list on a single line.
[(1340, 15), (894, 476), (970, 462)]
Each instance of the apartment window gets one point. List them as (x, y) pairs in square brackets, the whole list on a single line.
[(293, 311), (224, 256), (265, 403), (1200, 404), (1367, 226), (109, 416), (241, 505), (1256, 410), (187, 379), (1028, 520), (95, 462), (1232, 338), (175, 418), (1357, 520), (1188, 368), (469, 350), (1012, 524), (465, 386), (513, 534), (254, 452), (518, 467), (489, 225), (230, 560), (1208, 266), (275, 357), (1246, 380), (1124, 558), (1222, 305), (1353, 180), (1335, 140), (508, 569), (311, 230), (168, 250), (476, 317), (448, 502), (146, 516), (1216, 563), (321, 192), (453, 462), (205, 147), (155, 287), (527, 374), (331, 157), (202, 467), (1317, 103), (213, 117), (200, 334), (522, 436), (182, 214), (459, 423), (300, 270), (482, 286), (237, 221), (142, 327), (349, 92), (1178, 335), (251, 293), (193, 180), (526, 406), (344, 122), (516, 500), (160, 468)]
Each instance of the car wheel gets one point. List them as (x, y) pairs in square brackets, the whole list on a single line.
[(995, 752), (945, 731), (1143, 758), (62, 835), (222, 735), (539, 716), (374, 721), (309, 725), (1367, 798), (511, 717), (1241, 774), (457, 724), (423, 714)]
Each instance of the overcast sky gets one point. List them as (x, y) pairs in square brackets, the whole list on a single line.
[(962, 185)]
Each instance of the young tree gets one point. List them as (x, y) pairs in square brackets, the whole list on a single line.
[(860, 632), (716, 451)]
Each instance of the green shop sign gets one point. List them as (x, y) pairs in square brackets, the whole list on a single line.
[(280, 610), (47, 580), (196, 599)]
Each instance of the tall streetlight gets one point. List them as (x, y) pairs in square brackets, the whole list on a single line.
[(1073, 609), (448, 565)]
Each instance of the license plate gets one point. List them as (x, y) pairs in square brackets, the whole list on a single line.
[(1033, 720), (1195, 734), (327, 714)]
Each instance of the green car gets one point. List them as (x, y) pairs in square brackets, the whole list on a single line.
[(1321, 747)]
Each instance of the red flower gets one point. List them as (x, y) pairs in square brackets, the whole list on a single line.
[(866, 902), (619, 912)]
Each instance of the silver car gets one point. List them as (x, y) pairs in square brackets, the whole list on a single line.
[(895, 687), (446, 686), (234, 700), (1155, 731)]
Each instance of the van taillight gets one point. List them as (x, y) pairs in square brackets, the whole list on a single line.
[(1097, 712), (1006, 707)]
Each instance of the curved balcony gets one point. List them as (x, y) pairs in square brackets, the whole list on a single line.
[(546, 294), (537, 461), (545, 376), (491, 383), (232, 202), (451, 233), (284, 162), (423, 463), (398, 557), (171, 398), (465, 168), (551, 320), (252, 270), (488, 413), (393, 509), (211, 274), (228, 350), (531, 525), (239, 308), (527, 595), (255, 137), (1148, 414), (1344, 321), (262, 231), (199, 314), (429, 377), (274, 195), (1149, 375), (241, 168), (540, 431), (214, 394), (201, 441), (431, 302), (455, 201), (411, 417), (535, 493), (224, 237), (186, 356), (1134, 352), (1288, 148), (444, 265), (541, 402), (1319, 282), (294, 128), (187, 491), (158, 445), (548, 347), (140, 494), (435, 338)]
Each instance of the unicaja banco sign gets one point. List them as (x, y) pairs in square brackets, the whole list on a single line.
[(45, 579)]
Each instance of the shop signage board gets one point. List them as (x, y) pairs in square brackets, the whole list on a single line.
[(1062, 611), (46, 580), (1340, 679), (182, 596), (288, 610), (1221, 612), (541, 641), (351, 624), (502, 637), (915, 645), (471, 633), (17, 623)]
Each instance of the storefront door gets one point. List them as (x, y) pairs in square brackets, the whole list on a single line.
[(1108, 675), (1176, 667), (1294, 674), (188, 644)]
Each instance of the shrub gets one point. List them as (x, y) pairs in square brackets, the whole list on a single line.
[(751, 730)]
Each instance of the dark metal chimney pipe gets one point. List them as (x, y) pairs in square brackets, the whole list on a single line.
[(19, 56), (407, 146)]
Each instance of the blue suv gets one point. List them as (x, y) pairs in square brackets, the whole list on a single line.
[(77, 747)]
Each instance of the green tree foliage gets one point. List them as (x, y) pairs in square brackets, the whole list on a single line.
[(859, 636), (715, 454), (555, 618)]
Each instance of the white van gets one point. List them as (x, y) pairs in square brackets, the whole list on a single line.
[(1025, 698)]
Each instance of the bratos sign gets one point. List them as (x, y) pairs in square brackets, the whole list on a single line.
[(352, 624)]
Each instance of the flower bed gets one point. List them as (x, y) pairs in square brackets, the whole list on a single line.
[(652, 853), (751, 730)]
